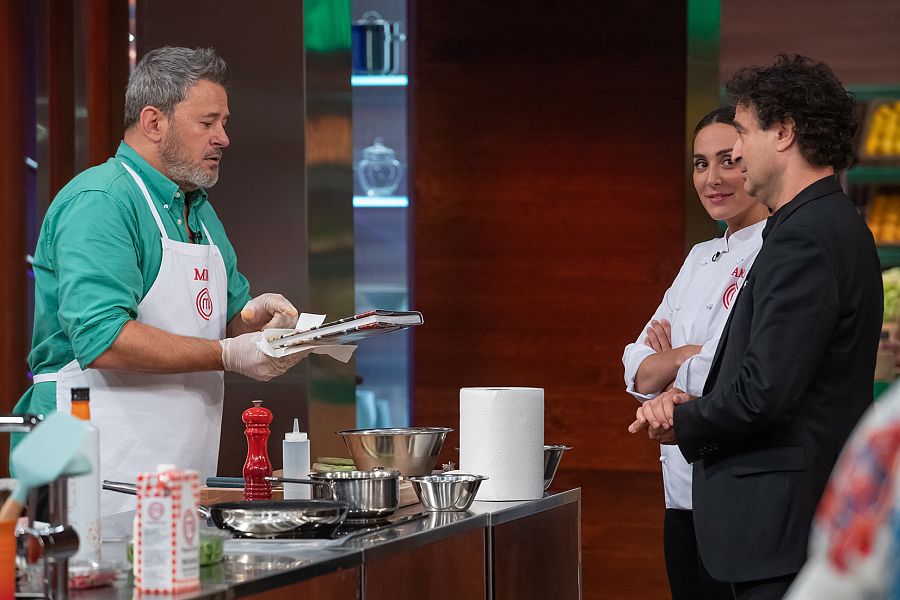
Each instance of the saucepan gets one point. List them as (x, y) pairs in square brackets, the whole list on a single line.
[(265, 518), (373, 494), (375, 45)]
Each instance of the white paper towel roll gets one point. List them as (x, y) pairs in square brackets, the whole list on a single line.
[(501, 435)]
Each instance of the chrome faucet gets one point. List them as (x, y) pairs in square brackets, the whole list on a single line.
[(56, 542)]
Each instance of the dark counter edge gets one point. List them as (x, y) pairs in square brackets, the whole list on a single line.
[(548, 502), (360, 551), (343, 560)]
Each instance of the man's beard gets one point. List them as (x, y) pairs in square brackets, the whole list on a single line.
[(180, 168)]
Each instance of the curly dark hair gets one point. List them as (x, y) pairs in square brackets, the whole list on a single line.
[(807, 92)]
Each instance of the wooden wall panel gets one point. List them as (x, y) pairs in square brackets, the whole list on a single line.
[(106, 71), (60, 67), (548, 205), (548, 147), (33, 51), (858, 39), (12, 211)]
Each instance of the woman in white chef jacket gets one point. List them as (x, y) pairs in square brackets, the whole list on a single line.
[(677, 345)]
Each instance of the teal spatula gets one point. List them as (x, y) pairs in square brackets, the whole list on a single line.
[(50, 450)]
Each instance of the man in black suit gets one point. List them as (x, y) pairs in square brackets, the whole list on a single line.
[(794, 369)]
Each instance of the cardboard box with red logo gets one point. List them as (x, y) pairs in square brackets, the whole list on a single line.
[(167, 532)]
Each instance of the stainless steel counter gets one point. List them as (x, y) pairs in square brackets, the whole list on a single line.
[(254, 566)]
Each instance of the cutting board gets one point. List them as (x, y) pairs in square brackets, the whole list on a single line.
[(407, 494), (213, 495)]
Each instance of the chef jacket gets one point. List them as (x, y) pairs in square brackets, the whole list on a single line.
[(98, 254), (697, 306)]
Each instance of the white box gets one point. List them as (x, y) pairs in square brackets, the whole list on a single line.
[(167, 532)]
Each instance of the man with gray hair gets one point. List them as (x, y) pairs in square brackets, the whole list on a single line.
[(137, 292)]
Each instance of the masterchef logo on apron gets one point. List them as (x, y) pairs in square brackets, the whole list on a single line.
[(204, 304), (732, 290), (728, 296)]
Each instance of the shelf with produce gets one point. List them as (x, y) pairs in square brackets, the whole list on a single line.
[(863, 174), (874, 91), (886, 361), (889, 255), (879, 144), (882, 212), (878, 149), (874, 182)]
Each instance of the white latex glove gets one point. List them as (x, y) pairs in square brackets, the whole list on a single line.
[(242, 355), (270, 311)]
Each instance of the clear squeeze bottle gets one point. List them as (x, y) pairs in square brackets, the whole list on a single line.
[(295, 455)]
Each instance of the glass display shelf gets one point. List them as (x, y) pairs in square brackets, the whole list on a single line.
[(379, 80), (380, 202), (386, 297), (382, 221)]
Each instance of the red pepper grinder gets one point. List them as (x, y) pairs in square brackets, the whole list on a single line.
[(257, 466)]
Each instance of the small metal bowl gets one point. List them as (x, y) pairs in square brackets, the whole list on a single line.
[(552, 456), (447, 492), (410, 450)]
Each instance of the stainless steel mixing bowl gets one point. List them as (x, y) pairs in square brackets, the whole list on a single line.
[(447, 492), (410, 450), (552, 456)]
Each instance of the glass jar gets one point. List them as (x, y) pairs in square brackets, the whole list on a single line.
[(379, 171)]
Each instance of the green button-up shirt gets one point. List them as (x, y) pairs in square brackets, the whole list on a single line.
[(97, 256)]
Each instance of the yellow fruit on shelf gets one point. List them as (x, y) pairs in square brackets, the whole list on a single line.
[(882, 137), (886, 139)]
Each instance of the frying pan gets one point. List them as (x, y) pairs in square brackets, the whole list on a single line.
[(264, 518)]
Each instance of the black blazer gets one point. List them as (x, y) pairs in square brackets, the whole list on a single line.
[(792, 375)]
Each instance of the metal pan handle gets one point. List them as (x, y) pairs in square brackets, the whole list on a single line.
[(119, 486), (293, 480), (130, 488)]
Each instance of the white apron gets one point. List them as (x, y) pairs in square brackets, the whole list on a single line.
[(148, 419)]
